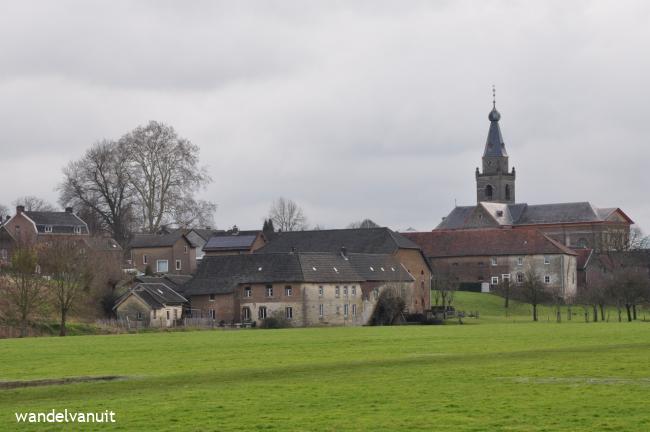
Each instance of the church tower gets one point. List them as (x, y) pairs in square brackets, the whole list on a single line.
[(496, 183)]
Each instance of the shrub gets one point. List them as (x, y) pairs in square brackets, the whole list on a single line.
[(275, 321)]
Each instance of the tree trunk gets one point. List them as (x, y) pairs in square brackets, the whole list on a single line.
[(602, 312), (568, 313), (507, 301), (534, 312), (23, 326), (634, 312), (595, 313), (62, 329), (629, 312), (618, 308)]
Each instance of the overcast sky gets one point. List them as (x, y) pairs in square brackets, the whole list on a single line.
[(352, 109)]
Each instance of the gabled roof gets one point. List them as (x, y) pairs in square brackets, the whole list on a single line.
[(486, 242), (225, 241), (358, 240), (221, 274), (173, 281), (533, 214), (156, 295), (59, 222), (158, 240)]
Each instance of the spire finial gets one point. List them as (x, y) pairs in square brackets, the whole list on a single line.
[(494, 97)]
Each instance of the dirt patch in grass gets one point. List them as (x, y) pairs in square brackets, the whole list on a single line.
[(5, 385)]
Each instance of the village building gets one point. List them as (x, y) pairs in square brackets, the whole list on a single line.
[(480, 258), (307, 289), (576, 225), (234, 242), (172, 252), (362, 241), (154, 304), (199, 237), (30, 227)]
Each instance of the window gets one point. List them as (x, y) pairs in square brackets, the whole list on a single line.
[(337, 292), (248, 292), (288, 291), (261, 312), (520, 277), (145, 259), (48, 228), (345, 309), (354, 291), (185, 249), (547, 259), (178, 264), (547, 279), (354, 310), (269, 290), (489, 192), (162, 266), (321, 310), (493, 261), (154, 313), (345, 291), (211, 297), (495, 280), (77, 230), (505, 277), (175, 314), (520, 261), (288, 312), (138, 316), (212, 314), (167, 313), (320, 291), (246, 314), (338, 310), (507, 192)]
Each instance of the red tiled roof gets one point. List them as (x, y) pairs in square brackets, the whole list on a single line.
[(486, 242)]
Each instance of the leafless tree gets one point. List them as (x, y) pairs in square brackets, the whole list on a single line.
[(33, 203), (596, 293), (630, 285), (287, 215), (97, 185), (164, 171), (504, 289), (188, 213), (67, 263), (444, 285), (22, 288), (366, 223), (4, 211), (532, 291)]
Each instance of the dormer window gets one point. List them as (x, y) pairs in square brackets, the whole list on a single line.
[(77, 230), (48, 228)]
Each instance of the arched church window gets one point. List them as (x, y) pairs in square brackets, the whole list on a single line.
[(508, 192), (488, 192)]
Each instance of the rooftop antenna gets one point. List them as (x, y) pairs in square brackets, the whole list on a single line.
[(455, 203), (494, 97)]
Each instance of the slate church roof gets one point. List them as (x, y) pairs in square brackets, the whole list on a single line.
[(525, 214)]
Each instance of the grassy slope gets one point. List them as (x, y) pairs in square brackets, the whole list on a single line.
[(497, 376)]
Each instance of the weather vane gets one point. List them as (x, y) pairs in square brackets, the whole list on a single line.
[(494, 97)]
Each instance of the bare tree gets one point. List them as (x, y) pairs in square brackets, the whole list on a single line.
[(504, 289), (287, 215), (4, 211), (97, 185), (532, 291), (366, 223), (67, 263), (33, 203), (23, 289), (596, 293), (444, 284), (188, 213), (164, 171)]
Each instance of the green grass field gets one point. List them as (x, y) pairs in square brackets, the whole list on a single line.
[(497, 375)]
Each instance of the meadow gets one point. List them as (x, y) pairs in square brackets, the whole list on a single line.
[(488, 375)]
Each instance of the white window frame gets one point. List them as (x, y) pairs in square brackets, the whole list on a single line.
[(520, 261), (494, 280), (212, 314), (145, 259), (505, 277), (269, 291), (337, 291), (77, 229), (246, 313), (493, 261), (547, 260), (354, 309), (248, 291), (321, 310), (288, 291), (262, 312), (345, 290), (48, 228), (520, 277), (346, 309), (354, 290), (179, 265), (158, 262), (288, 312)]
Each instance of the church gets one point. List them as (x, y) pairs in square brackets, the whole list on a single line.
[(575, 224)]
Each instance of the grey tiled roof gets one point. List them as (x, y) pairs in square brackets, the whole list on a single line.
[(360, 240), (221, 274), (173, 281), (525, 214), (60, 222), (155, 295), (494, 145), (157, 240)]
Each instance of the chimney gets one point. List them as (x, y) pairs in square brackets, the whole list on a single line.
[(293, 250), (7, 218), (344, 252), (235, 230), (20, 209), (68, 209)]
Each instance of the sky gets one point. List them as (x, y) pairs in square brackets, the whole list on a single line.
[(353, 109)]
